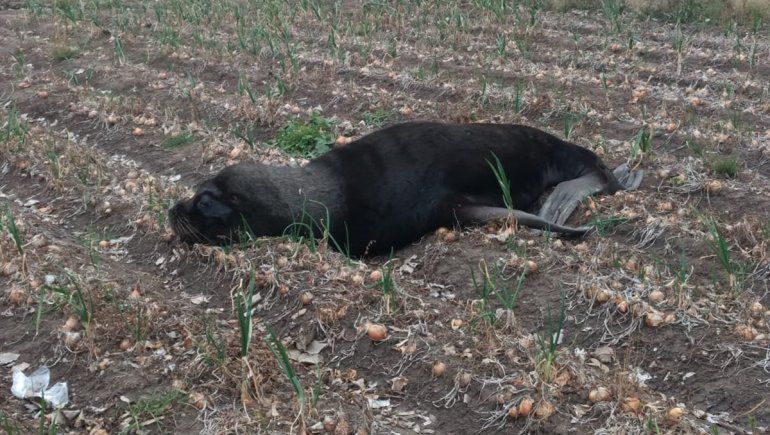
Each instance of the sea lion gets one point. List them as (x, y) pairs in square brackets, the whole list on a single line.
[(390, 187)]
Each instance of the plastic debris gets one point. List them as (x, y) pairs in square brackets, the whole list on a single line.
[(379, 403), (36, 385), (7, 358)]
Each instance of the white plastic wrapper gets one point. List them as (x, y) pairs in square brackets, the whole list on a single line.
[(36, 385)]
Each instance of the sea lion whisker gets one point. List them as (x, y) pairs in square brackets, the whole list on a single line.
[(185, 229), (191, 230)]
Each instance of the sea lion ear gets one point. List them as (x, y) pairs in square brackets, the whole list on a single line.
[(234, 198)]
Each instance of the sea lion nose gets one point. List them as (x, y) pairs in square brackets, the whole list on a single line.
[(176, 208)]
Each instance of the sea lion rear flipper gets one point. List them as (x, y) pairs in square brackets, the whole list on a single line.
[(630, 180), (480, 214), (567, 195)]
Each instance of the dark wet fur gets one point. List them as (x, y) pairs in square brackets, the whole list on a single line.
[(390, 187)]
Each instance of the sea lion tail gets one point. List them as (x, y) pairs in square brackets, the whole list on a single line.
[(479, 214), (534, 221), (628, 179)]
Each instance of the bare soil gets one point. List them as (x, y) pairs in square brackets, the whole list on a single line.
[(671, 329)]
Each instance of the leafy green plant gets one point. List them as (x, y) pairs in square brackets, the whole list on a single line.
[(694, 147), (613, 11), (120, 54), (72, 77), (282, 357), (177, 140), (309, 230), (189, 90), (518, 97), (485, 288), (641, 143), (570, 121), (317, 388), (90, 242), (493, 283), (152, 408), (378, 117), (41, 298), (13, 127), (243, 310), (41, 429), (501, 41), (34, 7), (10, 427), (393, 48), (81, 301), (508, 296), (53, 164), (64, 52), (631, 41), (20, 61), (533, 8), (387, 285), (216, 351), (765, 229), (549, 341), (523, 44), (680, 42), (71, 11), (502, 180), (603, 225), (68, 294), (247, 135), (682, 270), (307, 139), (484, 94), (159, 208), (753, 424), (325, 226), (755, 28), (245, 88), (687, 11), (168, 36), (303, 229), (13, 231), (726, 166), (652, 425), (717, 243), (133, 315), (246, 328)]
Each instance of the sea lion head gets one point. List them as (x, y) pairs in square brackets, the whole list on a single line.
[(208, 217), (241, 199)]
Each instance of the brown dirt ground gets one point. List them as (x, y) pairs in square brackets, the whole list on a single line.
[(90, 195)]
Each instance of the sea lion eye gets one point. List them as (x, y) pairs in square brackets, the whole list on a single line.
[(235, 198), (204, 203)]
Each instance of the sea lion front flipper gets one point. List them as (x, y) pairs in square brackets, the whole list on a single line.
[(473, 214), (629, 179), (567, 195)]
